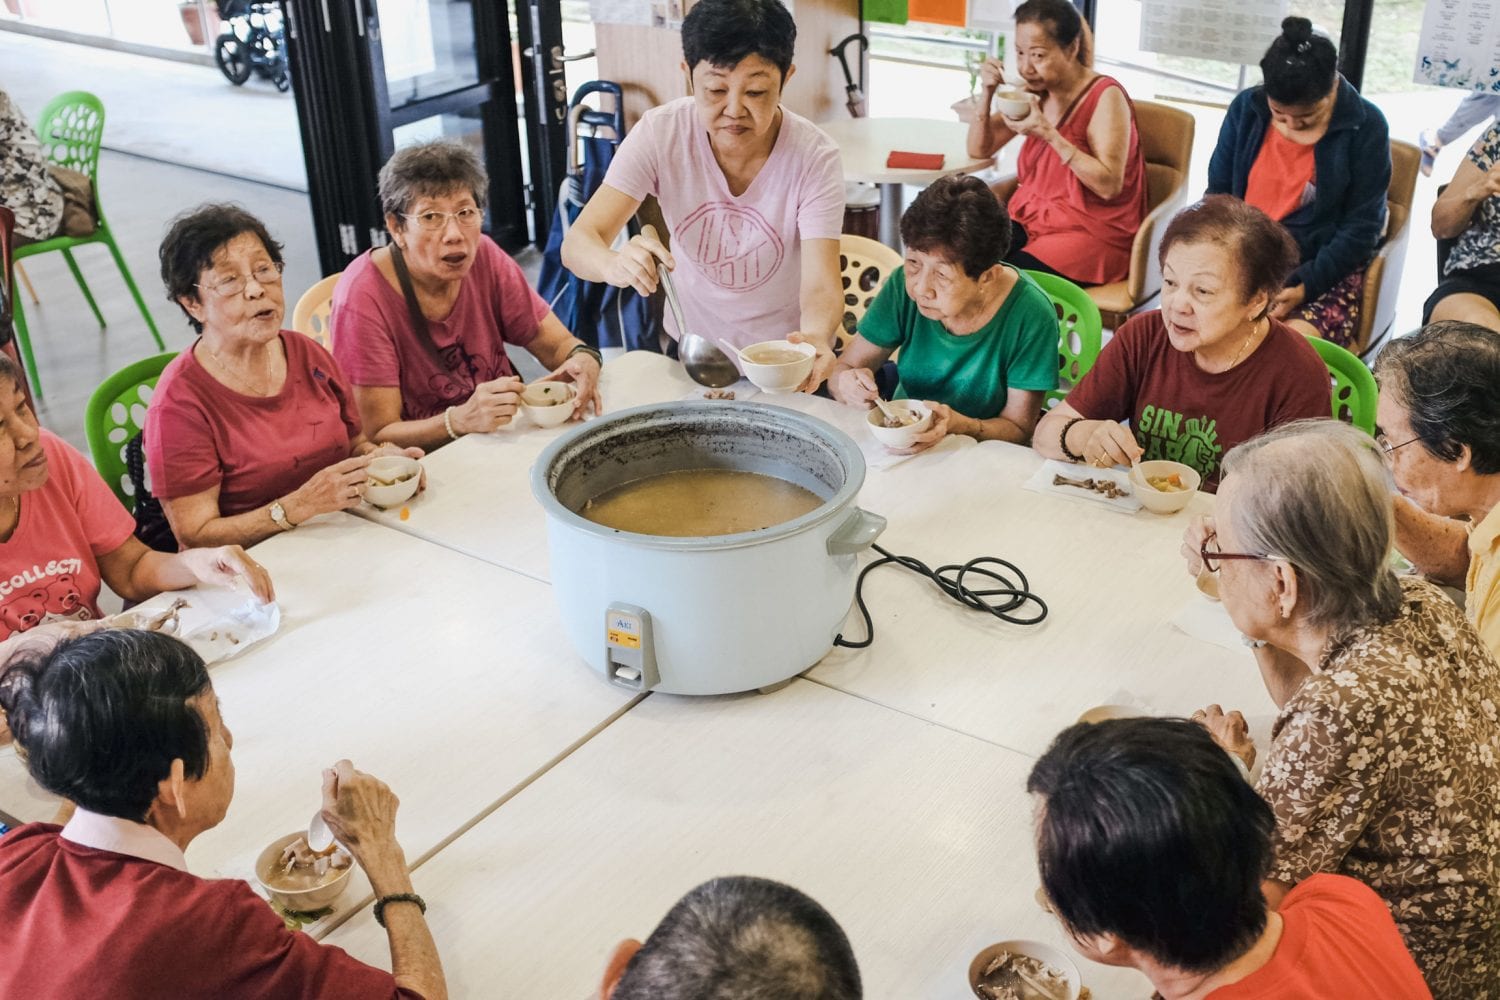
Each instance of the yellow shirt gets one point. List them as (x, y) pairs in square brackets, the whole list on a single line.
[(1482, 589)]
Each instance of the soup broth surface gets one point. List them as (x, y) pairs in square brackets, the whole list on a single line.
[(699, 502), (775, 356)]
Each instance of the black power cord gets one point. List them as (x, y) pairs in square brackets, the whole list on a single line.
[(1003, 601)]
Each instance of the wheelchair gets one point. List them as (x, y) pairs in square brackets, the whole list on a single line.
[(253, 40)]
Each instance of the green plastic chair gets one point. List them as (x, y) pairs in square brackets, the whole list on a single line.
[(1080, 332), (71, 127), (1354, 389), (116, 413)]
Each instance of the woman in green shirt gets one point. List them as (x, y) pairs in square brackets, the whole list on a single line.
[(977, 338)]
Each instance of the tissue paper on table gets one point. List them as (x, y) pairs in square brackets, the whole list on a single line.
[(1207, 621), (218, 622), (1041, 482)]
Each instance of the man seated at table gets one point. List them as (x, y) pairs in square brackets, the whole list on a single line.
[(126, 724), (978, 338), (1438, 423), (1152, 850), (737, 938)]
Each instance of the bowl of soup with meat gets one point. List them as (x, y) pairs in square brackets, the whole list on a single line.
[(1165, 487), (391, 480), (548, 404), (1024, 970), (898, 431), (299, 879), (776, 366)]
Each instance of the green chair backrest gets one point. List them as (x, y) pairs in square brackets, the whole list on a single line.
[(116, 413), (1354, 389), (71, 128), (1080, 332)]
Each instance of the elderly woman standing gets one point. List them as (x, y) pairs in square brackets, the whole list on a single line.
[(978, 338), (1307, 150), (125, 723), (1438, 422), (1210, 368), (421, 325), (251, 431), (1082, 190), (1385, 758)]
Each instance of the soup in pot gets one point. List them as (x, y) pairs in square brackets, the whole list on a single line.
[(699, 502), (774, 356)]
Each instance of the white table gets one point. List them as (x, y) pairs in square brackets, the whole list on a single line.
[(917, 839), (864, 144), (437, 673)]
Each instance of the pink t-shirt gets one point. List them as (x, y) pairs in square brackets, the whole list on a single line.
[(50, 567), (201, 433), (739, 259), (376, 345)]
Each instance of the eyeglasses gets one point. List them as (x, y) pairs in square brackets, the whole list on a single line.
[(1387, 447), (468, 218), (264, 274), (1212, 556)]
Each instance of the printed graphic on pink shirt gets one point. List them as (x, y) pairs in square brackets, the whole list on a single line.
[(733, 245), (43, 594)]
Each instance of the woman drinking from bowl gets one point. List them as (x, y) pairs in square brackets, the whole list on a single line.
[(1207, 370), (421, 326), (252, 430), (978, 338), (753, 194), (1082, 179), (1307, 150), (1384, 761), (126, 724)]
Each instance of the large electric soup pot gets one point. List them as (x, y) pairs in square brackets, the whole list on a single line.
[(714, 614)]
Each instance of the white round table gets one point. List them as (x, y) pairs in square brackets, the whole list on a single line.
[(864, 144)]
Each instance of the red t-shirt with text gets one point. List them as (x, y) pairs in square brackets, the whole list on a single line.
[(1338, 942), (49, 569), (201, 433), (1184, 414)]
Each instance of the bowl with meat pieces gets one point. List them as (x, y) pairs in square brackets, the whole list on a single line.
[(1165, 487), (899, 431), (1024, 970), (392, 480)]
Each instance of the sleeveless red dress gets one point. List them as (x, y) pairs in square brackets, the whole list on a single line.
[(1068, 227)]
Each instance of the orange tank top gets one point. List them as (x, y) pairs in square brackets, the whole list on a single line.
[(1280, 176)]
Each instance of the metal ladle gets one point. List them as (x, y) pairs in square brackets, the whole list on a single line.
[(705, 363)]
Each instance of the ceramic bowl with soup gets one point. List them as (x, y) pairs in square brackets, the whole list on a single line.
[(302, 888), (1012, 102), (548, 404), (911, 418), (1165, 487), (1028, 970), (392, 480), (777, 365)]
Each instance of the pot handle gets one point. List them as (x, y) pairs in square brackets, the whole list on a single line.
[(856, 534)]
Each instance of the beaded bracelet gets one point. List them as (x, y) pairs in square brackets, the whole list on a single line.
[(397, 897), (448, 424), (1062, 439)]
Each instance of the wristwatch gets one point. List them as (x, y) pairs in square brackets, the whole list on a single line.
[(278, 514)]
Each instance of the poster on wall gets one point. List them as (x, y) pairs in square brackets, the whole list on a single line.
[(1460, 45), (1233, 31)]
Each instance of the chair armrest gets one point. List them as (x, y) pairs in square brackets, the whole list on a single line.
[(1144, 279)]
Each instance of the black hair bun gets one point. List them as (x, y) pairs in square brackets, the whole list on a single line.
[(1296, 30)]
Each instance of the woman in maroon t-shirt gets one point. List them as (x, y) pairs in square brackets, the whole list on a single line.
[(252, 430), (1207, 370)]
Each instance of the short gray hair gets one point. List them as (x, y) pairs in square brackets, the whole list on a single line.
[(431, 170), (1318, 494), (742, 938), (1447, 375)]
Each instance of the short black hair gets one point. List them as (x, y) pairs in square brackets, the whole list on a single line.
[(1447, 375), (724, 32), (192, 240), (1262, 251), (102, 717), (743, 938), (959, 219), (1149, 832), (1061, 21), (1300, 66)]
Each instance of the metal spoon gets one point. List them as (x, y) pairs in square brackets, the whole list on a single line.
[(704, 363)]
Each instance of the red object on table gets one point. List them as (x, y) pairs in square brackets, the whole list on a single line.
[(914, 161)]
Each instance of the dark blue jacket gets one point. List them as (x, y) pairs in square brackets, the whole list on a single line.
[(1339, 231)]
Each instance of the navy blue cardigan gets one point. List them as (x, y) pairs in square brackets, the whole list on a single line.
[(1339, 231)]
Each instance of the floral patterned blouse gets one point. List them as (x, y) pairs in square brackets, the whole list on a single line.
[(26, 187), (1385, 766), (1479, 243)]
